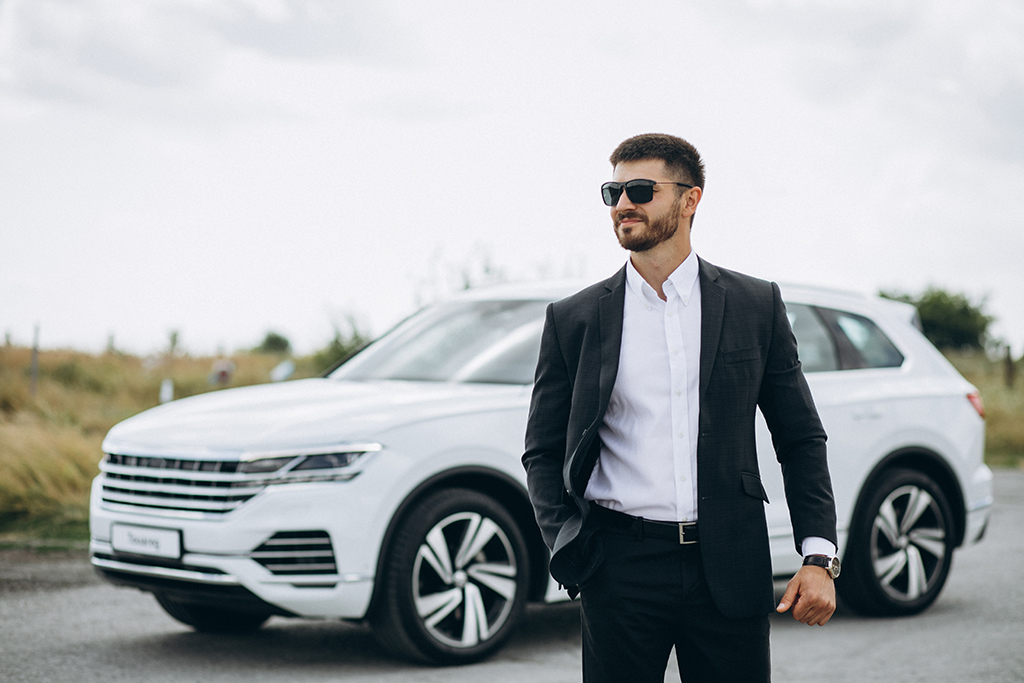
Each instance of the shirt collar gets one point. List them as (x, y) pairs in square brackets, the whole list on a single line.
[(681, 280)]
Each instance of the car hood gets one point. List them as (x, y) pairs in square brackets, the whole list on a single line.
[(298, 414)]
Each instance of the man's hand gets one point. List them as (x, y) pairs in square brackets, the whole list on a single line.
[(812, 595)]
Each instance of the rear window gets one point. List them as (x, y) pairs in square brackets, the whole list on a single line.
[(861, 344)]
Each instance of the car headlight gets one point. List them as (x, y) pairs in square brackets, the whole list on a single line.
[(334, 463)]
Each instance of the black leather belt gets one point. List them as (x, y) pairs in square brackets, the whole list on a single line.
[(685, 533)]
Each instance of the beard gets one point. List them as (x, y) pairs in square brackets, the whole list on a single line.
[(655, 231)]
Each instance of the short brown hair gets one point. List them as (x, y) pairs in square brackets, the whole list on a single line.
[(681, 158)]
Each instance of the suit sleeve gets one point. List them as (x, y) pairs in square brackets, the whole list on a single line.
[(546, 435), (797, 434)]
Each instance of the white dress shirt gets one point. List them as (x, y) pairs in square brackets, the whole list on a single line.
[(648, 462)]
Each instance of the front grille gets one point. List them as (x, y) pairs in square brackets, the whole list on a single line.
[(183, 485), (289, 553)]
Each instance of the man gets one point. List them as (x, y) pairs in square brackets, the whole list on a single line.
[(640, 453)]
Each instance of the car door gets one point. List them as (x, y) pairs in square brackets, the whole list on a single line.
[(852, 369)]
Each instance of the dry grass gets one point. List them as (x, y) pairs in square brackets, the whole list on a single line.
[(45, 468), (1004, 407)]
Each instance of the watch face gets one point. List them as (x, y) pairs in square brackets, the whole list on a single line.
[(834, 568)]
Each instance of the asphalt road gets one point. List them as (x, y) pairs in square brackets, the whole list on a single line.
[(58, 622)]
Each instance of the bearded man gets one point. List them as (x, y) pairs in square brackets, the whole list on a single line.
[(640, 453)]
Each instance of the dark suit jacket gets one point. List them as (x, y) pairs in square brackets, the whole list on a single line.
[(748, 358)]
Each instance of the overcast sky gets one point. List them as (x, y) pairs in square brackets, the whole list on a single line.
[(227, 167)]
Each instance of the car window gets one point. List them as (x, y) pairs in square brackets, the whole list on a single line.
[(815, 346), (861, 343), (470, 341)]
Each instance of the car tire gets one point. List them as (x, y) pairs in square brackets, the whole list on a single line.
[(211, 619), (900, 547), (454, 581)]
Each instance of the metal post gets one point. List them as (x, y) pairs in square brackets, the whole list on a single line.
[(35, 361)]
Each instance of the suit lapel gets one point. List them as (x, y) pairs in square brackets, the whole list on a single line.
[(712, 311), (610, 309), (609, 320)]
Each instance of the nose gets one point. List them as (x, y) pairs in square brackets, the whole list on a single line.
[(623, 202)]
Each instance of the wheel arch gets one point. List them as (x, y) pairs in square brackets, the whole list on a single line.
[(499, 486), (927, 462)]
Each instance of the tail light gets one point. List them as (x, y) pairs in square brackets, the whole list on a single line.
[(975, 398)]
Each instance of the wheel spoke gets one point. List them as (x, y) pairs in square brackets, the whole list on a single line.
[(500, 578), (917, 578), (889, 567), (475, 627), (479, 534), (920, 501), (932, 541), (436, 553), (887, 523), (434, 608)]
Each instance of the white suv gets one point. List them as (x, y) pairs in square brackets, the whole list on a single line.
[(392, 489)]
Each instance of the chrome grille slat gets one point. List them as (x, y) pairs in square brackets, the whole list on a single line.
[(170, 503), (294, 553), (214, 479), (298, 541), (182, 489), (301, 569), (297, 552)]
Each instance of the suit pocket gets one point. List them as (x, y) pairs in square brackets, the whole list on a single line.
[(741, 355), (753, 487)]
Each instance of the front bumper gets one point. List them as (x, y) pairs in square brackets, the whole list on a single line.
[(221, 555)]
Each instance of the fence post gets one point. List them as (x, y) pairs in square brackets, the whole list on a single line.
[(35, 361), (167, 391)]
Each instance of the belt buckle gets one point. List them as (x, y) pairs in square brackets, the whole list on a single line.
[(682, 535)]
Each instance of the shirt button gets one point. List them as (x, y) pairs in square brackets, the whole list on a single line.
[(670, 314), (675, 352), (682, 477), (678, 393), (681, 435)]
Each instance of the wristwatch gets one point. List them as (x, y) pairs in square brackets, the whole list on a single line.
[(826, 562)]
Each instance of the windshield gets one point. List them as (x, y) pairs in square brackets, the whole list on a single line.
[(468, 341)]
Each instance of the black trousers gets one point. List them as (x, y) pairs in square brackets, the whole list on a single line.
[(648, 596)]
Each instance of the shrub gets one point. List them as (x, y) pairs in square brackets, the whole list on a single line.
[(274, 343), (950, 321)]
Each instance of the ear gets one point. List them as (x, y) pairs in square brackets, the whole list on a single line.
[(691, 198)]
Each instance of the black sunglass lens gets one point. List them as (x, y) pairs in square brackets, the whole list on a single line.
[(611, 192), (640, 193)]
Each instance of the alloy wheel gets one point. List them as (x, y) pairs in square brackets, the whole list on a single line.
[(908, 543), (464, 579)]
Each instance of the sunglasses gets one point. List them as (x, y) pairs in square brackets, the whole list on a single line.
[(639, 191)]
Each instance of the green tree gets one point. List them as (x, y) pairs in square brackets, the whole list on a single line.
[(341, 347), (274, 343), (949, 320)]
